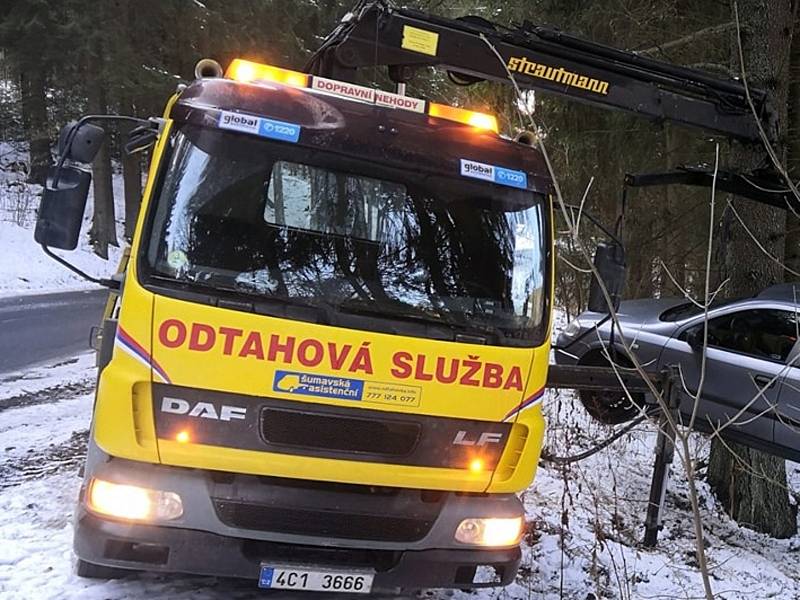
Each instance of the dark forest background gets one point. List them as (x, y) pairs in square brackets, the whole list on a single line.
[(60, 59)]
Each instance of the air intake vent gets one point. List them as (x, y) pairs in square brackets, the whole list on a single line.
[(337, 433), (334, 524)]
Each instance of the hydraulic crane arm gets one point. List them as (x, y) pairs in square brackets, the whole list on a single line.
[(766, 187), (472, 49)]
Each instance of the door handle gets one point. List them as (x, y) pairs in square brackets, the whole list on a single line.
[(765, 380)]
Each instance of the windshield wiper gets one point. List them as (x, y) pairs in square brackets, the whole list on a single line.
[(358, 308)]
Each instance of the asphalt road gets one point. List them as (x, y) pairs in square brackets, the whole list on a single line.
[(44, 327)]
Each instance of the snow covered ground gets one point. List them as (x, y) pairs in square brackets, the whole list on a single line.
[(24, 268), (584, 522)]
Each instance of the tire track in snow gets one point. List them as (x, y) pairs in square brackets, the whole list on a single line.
[(48, 395), (44, 420)]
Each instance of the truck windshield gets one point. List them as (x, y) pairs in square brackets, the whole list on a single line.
[(281, 222)]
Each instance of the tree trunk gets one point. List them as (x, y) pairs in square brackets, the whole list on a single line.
[(673, 248), (792, 241), (131, 164), (103, 232), (131, 178), (752, 485), (640, 264), (745, 488), (34, 111)]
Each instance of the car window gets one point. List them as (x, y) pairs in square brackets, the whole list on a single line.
[(762, 333)]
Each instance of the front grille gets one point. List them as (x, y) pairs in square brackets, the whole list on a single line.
[(335, 524), (352, 433), (339, 433)]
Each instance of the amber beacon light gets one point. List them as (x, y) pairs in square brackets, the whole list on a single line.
[(247, 71), (468, 117)]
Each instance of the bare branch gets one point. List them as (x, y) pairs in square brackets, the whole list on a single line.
[(583, 201), (573, 265), (761, 247), (709, 254), (686, 293), (688, 39), (713, 67)]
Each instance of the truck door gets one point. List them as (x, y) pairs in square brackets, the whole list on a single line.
[(746, 353)]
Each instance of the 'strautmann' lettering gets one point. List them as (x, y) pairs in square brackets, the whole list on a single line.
[(557, 75)]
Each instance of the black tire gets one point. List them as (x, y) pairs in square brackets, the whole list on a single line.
[(609, 408), (93, 571)]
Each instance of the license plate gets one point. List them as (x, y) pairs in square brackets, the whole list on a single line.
[(315, 579)]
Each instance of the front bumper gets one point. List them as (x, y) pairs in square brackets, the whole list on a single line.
[(234, 523), (168, 549)]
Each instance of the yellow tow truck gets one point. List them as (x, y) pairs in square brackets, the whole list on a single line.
[(324, 362)]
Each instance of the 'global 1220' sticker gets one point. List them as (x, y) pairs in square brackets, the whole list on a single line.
[(495, 174), (261, 126), (345, 388)]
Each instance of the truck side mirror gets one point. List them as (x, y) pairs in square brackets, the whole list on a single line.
[(66, 189), (609, 261), (80, 142), (63, 204)]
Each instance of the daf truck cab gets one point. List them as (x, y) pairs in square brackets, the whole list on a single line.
[(324, 366)]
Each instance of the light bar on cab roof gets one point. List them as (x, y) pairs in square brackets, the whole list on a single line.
[(462, 115), (251, 72), (247, 72)]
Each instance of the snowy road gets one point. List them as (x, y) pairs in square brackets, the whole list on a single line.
[(34, 329)]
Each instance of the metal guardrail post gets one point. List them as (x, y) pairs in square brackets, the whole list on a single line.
[(664, 454)]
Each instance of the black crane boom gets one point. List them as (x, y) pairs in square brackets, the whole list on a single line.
[(540, 58)]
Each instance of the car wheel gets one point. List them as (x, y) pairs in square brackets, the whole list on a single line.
[(609, 408), (93, 571)]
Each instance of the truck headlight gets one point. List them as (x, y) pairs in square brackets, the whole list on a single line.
[(495, 532), (132, 502)]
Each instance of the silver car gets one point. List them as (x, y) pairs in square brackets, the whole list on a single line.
[(752, 346)]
